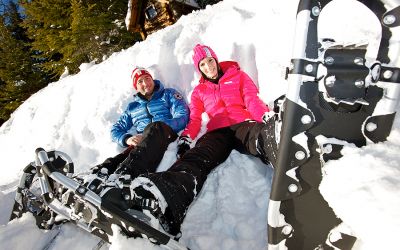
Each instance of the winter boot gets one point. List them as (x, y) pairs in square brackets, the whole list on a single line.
[(149, 200)]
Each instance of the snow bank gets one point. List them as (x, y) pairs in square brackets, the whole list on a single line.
[(75, 114)]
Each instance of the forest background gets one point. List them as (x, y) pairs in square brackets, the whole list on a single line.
[(41, 41)]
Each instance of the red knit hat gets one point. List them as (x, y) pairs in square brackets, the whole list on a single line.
[(138, 72), (200, 52)]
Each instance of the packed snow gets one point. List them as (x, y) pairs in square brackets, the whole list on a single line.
[(75, 114)]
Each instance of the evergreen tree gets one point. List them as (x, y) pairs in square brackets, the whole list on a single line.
[(95, 31), (48, 25), (19, 77), (51, 36), (76, 31)]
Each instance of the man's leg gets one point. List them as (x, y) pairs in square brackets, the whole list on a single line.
[(147, 155), (112, 163)]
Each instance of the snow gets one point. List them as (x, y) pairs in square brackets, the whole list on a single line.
[(74, 115)]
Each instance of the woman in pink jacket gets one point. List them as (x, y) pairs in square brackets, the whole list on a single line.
[(230, 99), (225, 93)]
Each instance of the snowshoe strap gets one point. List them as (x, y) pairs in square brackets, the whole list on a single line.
[(153, 207), (346, 65)]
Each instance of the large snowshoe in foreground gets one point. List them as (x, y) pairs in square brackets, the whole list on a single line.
[(53, 195), (336, 97)]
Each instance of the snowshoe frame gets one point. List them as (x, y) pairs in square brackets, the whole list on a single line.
[(298, 215)]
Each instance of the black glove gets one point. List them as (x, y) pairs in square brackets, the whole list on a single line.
[(268, 115), (183, 145)]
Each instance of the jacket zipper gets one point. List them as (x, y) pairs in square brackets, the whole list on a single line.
[(148, 111)]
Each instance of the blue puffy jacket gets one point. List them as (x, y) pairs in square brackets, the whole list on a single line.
[(166, 105)]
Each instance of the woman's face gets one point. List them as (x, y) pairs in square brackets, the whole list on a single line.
[(209, 67)]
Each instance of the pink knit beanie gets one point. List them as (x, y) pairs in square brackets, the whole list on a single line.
[(200, 52)]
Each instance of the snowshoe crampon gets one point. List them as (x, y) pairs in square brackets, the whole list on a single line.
[(337, 96), (30, 197), (49, 190)]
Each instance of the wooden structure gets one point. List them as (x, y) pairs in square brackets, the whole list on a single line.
[(148, 16)]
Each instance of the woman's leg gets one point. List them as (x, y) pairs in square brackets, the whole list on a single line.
[(257, 139), (180, 184)]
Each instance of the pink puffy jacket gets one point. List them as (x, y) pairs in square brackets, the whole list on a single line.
[(233, 100)]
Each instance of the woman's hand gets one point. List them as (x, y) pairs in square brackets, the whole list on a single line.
[(183, 145)]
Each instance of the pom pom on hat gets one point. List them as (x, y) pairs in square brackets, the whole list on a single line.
[(138, 72), (200, 52)]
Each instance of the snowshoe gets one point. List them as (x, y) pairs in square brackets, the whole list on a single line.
[(29, 197), (49, 190), (336, 97)]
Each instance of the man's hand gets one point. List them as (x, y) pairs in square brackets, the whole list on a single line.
[(183, 145), (134, 140)]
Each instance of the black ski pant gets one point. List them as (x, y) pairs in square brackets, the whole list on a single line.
[(183, 181), (147, 155)]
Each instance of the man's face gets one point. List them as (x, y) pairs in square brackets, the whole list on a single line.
[(145, 85)]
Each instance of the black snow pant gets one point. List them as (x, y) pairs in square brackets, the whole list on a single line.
[(183, 181), (147, 155)]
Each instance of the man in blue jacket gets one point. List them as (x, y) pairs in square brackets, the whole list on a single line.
[(157, 114)]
